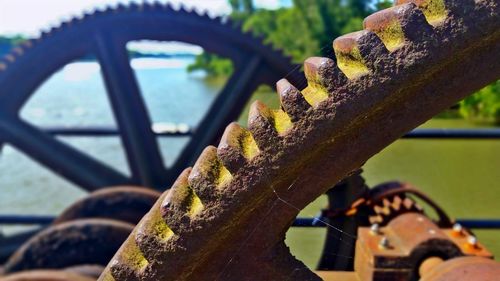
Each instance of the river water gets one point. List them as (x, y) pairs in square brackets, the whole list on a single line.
[(463, 176)]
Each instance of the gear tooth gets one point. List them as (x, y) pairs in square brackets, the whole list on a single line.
[(181, 201), (27, 44), (129, 262), (18, 51), (386, 24), (106, 275), (88, 14), (119, 8), (9, 58), (386, 203), (396, 203), (209, 176), (168, 6), (135, 6), (147, 5), (65, 24), (375, 220), (264, 122), (408, 203), (349, 57), (204, 14), (377, 209), (99, 11), (236, 147), (183, 8), (218, 18), (435, 11), (322, 75), (292, 100), (45, 34), (73, 20), (359, 53), (394, 26), (152, 232)]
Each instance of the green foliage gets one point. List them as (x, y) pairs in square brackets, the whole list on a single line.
[(13, 40), (212, 64), (6, 43), (301, 31), (307, 29), (483, 106)]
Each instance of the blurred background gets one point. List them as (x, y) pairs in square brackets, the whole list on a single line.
[(180, 81)]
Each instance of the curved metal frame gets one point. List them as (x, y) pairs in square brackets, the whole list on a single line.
[(105, 35)]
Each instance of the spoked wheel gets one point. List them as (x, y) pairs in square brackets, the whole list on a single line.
[(104, 34), (226, 218)]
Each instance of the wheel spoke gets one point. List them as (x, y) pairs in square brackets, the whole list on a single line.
[(225, 109), (64, 160), (131, 114)]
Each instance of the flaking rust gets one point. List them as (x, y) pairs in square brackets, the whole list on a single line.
[(411, 62)]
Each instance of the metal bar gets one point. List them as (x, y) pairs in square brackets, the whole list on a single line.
[(480, 223), (61, 158), (26, 219), (142, 151), (468, 223), (98, 131), (482, 133), (299, 222)]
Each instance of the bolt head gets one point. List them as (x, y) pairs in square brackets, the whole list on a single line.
[(472, 240), (384, 243), (457, 228), (375, 229)]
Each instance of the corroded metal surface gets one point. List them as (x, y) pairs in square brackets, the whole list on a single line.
[(398, 251), (80, 242), (464, 269), (226, 218), (124, 203)]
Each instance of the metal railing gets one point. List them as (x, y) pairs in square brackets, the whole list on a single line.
[(483, 133)]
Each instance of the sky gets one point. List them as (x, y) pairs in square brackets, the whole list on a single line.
[(29, 17)]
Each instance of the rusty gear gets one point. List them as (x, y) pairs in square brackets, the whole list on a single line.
[(389, 207), (124, 203), (79, 242), (393, 207), (226, 218)]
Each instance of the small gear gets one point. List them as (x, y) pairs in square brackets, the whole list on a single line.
[(392, 207)]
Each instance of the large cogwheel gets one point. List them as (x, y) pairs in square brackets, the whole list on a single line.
[(104, 35), (226, 218)]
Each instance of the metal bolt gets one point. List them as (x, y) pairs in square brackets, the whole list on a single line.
[(472, 241), (384, 243), (457, 228), (375, 229)]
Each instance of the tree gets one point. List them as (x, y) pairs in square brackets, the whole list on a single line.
[(484, 105)]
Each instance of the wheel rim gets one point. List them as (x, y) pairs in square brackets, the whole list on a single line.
[(102, 34)]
